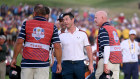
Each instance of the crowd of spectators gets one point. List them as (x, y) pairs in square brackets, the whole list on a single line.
[(12, 17)]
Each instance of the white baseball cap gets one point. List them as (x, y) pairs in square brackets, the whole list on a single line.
[(2, 37), (132, 32)]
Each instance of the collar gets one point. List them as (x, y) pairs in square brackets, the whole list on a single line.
[(106, 23), (131, 41), (40, 18), (66, 31)]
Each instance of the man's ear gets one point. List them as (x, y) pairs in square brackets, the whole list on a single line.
[(47, 16), (72, 19), (34, 14)]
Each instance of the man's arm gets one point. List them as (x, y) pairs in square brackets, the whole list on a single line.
[(90, 56), (57, 48), (104, 42), (58, 54), (106, 54), (17, 49), (106, 58), (19, 44)]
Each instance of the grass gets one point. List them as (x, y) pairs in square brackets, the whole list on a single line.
[(72, 3), (114, 7)]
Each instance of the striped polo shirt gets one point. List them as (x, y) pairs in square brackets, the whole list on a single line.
[(27, 63), (103, 39)]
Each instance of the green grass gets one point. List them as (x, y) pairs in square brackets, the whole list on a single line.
[(114, 7), (72, 3)]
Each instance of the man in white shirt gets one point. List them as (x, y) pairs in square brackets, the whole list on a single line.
[(73, 42), (130, 51)]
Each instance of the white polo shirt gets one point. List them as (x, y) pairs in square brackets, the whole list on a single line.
[(73, 45), (130, 51)]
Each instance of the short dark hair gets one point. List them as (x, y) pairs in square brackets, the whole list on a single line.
[(70, 15), (47, 10), (40, 10)]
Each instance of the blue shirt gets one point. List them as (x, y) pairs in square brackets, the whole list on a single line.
[(103, 39), (27, 63)]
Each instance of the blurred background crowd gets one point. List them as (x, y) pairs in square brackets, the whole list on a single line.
[(12, 17)]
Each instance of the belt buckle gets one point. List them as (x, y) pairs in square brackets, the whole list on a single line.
[(72, 62)]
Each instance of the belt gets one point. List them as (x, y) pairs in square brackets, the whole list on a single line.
[(129, 62), (73, 62)]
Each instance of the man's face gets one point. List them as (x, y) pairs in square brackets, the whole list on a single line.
[(1, 40), (61, 22), (98, 19), (47, 16), (132, 36), (68, 21)]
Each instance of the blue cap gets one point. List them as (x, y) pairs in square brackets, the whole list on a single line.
[(61, 16)]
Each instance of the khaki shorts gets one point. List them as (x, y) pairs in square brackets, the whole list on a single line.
[(115, 68), (2, 70), (35, 73)]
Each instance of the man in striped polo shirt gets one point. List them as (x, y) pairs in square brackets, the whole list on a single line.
[(37, 34), (108, 47)]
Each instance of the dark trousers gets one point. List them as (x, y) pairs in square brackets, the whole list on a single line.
[(73, 69), (130, 69), (56, 76)]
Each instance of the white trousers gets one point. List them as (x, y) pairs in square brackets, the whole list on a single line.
[(35, 73), (115, 68), (2, 70)]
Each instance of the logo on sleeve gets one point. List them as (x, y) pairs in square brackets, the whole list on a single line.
[(38, 33), (116, 38)]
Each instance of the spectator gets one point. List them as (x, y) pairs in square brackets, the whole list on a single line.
[(1, 30), (14, 32), (130, 51), (121, 18), (135, 20), (3, 49), (125, 33)]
